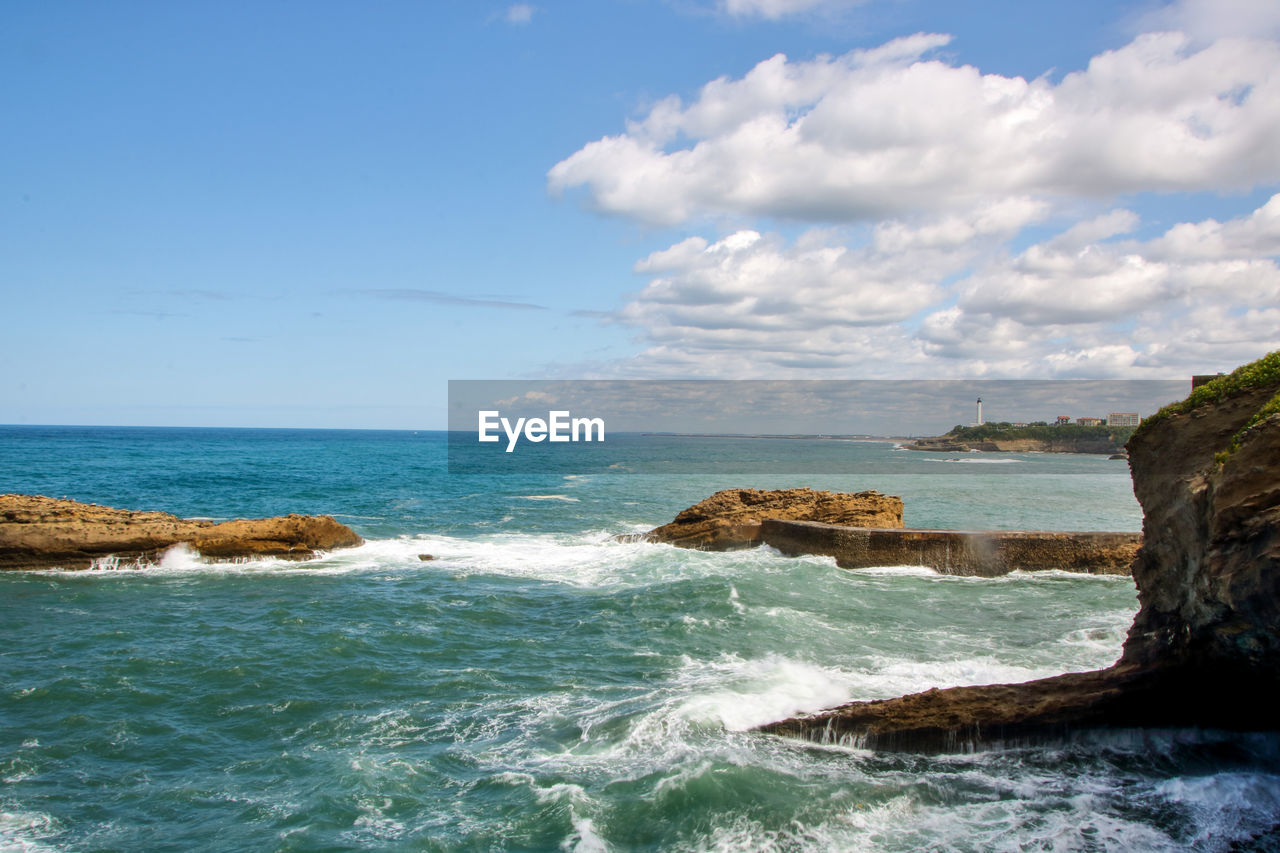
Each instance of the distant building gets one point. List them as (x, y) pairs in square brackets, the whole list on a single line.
[(1018, 424), (1201, 378), (1090, 421), (1062, 420), (1123, 419)]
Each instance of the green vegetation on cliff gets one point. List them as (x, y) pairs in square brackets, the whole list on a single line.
[(1256, 374), (1041, 432)]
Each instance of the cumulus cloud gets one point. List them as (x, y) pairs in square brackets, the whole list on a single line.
[(1206, 20), (1201, 293), (940, 297), (890, 132), (919, 173)]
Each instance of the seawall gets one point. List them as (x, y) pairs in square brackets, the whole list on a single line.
[(981, 553)]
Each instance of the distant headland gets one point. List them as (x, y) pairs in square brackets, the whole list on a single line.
[(1060, 438)]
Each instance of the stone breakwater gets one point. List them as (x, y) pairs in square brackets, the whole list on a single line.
[(39, 532), (980, 553), (1204, 649)]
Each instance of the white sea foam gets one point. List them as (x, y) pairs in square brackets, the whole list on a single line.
[(889, 677), (972, 461), (898, 571), (1062, 574), (736, 600), (592, 559), (741, 693), (564, 498), (179, 557), (584, 838), (1225, 806), (27, 832)]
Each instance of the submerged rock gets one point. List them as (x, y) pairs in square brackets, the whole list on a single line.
[(731, 519), (1204, 649), (38, 532)]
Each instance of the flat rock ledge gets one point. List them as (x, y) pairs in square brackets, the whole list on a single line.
[(969, 719), (730, 519), (1204, 648), (39, 532), (972, 553)]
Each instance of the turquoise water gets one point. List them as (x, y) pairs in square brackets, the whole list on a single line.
[(538, 686)]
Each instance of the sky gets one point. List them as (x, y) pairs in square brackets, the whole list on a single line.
[(316, 214)]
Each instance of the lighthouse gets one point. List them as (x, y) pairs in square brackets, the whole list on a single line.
[(979, 423)]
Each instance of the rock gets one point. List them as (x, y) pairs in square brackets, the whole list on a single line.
[(39, 532), (730, 519), (426, 557), (982, 553), (1204, 649)]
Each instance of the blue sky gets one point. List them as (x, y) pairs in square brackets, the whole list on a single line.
[(315, 214)]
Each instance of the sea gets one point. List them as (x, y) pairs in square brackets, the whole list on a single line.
[(539, 685)]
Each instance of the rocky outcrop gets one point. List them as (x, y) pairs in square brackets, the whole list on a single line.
[(730, 519), (1204, 649), (40, 532), (949, 444), (974, 553)]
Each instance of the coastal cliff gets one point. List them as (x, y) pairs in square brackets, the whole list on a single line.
[(730, 519), (1065, 444), (1204, 649), (39, 532)]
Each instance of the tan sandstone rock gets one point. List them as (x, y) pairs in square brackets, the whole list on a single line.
[(41, 532), (730, 519)]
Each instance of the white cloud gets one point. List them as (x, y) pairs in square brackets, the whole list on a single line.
[(519, 14), (938, 298), (1207, 20), (922, 172), (1202, 294), (775, 9), (887, 132)]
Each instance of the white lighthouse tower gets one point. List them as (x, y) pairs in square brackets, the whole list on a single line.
[(979, 423)]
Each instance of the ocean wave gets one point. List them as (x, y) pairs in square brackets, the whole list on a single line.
[(898, 571), (742, 693), (972, 461)]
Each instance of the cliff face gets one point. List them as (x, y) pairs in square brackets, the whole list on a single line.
[(1209, 576), (731, 519), (39, 532), (1204, 649)]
